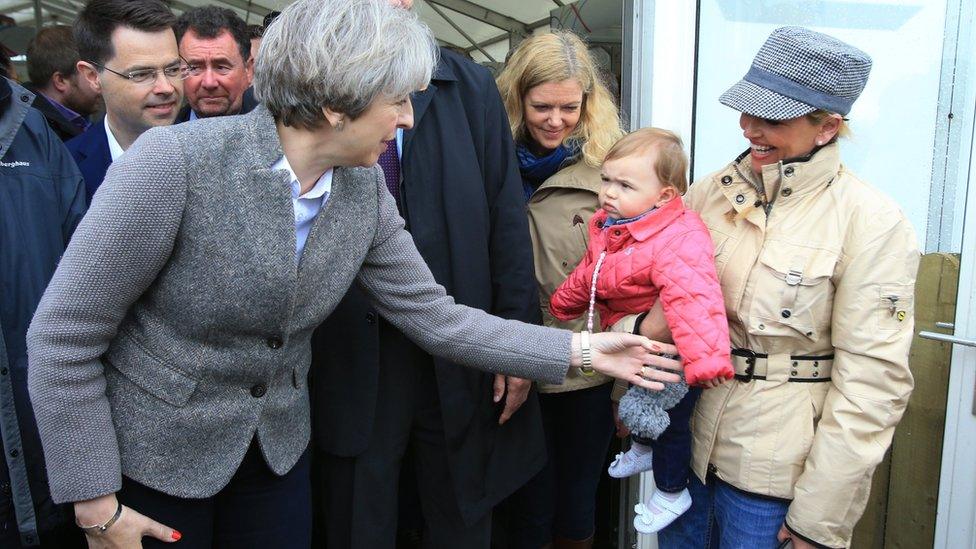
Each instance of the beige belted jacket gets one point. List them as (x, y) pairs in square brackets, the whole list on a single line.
[(558, 212), (830, 270)]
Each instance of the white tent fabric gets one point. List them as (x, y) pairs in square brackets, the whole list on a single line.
[(459, 23)]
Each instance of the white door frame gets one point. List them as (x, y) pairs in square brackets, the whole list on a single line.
[(956, 516), (660, 47)]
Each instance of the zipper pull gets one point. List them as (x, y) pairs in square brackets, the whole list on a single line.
[(893, 308)]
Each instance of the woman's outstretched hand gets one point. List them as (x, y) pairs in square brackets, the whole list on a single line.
[(632, 358)]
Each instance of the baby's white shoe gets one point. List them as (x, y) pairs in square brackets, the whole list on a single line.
[(637, 459), (660, 511)]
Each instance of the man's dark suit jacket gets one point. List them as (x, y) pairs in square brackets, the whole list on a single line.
[(247, 105), (90, 149), (91, 153), (61, 125), (464, 205)]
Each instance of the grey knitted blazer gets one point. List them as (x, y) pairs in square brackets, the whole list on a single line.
[(176, 328)]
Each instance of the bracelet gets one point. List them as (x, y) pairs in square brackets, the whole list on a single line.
[(587, 366), (101, 528)]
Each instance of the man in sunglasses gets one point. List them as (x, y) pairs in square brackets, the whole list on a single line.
[(128, 52)]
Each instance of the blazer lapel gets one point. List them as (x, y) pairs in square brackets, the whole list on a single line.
[(264, 198), (97, 156), (340, 234), (421, 100), (96, 149)]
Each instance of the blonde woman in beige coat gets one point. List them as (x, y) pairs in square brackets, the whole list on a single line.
[(563, 121), (818, 270)]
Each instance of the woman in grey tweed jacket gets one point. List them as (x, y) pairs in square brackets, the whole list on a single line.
[(170, 351)]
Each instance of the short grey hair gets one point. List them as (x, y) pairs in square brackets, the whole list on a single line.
[(340, 54)]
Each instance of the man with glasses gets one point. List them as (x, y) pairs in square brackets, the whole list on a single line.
[(128, 52), (216, 46)]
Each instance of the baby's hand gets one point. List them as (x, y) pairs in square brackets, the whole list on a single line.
[(712, 383)]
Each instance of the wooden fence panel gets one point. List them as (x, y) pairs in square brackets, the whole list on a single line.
[(901, 511)]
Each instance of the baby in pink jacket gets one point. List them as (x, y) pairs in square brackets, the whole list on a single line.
[(645, 246)]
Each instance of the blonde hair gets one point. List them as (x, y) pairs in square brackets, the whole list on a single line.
[(672, 163), (819, 116), (557, 57)]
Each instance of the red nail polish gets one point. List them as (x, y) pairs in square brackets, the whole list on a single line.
[(177, 535)]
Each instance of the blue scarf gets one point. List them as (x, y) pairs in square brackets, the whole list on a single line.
[(536, 169)]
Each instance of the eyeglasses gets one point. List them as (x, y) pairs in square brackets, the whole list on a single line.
[(176, 71)]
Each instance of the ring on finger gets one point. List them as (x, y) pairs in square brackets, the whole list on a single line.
[(643, 371)]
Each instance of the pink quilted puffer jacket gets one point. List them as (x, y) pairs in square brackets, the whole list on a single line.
[(667, 254)]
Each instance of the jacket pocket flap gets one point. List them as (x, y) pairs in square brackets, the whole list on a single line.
[(803, 266), (896, 305), (148, 372)]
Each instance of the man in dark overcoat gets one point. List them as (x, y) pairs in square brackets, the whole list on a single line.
[(376, 396)]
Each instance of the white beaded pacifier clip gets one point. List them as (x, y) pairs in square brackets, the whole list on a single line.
[(589, 315)]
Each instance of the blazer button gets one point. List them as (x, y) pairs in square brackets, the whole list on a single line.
[(258, 390), (371, 318), (274, 342)]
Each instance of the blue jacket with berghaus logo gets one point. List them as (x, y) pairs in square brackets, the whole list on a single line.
[(42, 198)]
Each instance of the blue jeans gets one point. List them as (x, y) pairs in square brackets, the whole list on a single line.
[(723, 517), (672, 449)]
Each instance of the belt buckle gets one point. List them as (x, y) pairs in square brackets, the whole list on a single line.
[(750, 366)]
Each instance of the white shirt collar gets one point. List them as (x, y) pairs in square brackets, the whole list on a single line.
[(113, 144), (321, 187)]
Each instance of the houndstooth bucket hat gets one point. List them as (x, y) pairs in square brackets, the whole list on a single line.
[(798, 71)]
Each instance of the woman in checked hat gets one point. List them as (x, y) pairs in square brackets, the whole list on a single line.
[(818, 269)]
